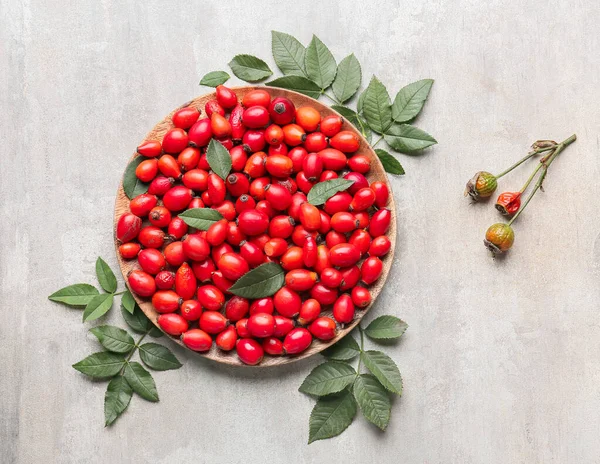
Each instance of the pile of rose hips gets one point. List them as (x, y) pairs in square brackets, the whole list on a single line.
[(278, 153)]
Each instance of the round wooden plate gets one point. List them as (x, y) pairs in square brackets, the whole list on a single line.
[(377, 173)]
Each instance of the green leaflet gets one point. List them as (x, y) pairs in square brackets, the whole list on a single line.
[(106, 276), (288, 53), (327, 378), (298, 84), (390, 164), (410, 100), (331, 416), (320, 63), (408, 139), (348, 78), (250, 68), (77, 295), (376, 106), (214, 78), (260, 282)]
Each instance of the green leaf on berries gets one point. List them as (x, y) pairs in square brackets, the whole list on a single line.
[(323, 191), (106, 276), (128, 302), (344, 350), (218, 158), (386, 328), (117, 398), (377, 106), (320, 63), (327, 378), (132, 186), (348, 78), (113, 338), (331, 416), (214, 78), (140, 380), (250, 68), (260, 282), (408, 139), (373, 400), (77, 295), (158, 357), (288, 53), (355, 119), (410, 100), (201, 218), (298, 84), (98, 307), (390, 164), (384, 368), (100, 365)]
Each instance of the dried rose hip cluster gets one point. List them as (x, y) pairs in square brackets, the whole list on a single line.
[(278, 154)]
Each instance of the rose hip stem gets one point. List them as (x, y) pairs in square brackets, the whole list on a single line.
[(543, 166)]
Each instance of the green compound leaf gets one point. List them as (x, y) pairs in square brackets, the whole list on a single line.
[(390, 164), (331, 416), (100, 365), (114, 338), (386, 328), (320, 63), (376, 106), (344, 350), (214, 78), (323, 191), (298, 84), (106, 276), (408, 139), (77, 295), (410, 100), (201, 218), (288, 53), (327, 378), (158, 357), (348, 78), (250, 68), (132, 186), (384, 368), (140, 380), (117, 398), (260, 282), (98, 307), (373, 400)]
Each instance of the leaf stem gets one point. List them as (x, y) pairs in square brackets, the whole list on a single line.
[(518, 163), (135, 347), (545, 164), (377, 142), (120, 293), (333, 99)]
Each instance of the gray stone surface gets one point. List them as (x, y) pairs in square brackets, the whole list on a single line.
[(501, 361)]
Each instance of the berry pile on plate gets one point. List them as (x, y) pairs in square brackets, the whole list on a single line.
[(256, 229)]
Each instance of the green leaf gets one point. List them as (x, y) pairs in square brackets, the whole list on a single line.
[(218, 158), (390, 164), (158, 357), (113, 338), (386, 328), (320, 63), (288, 53), (137, 320), (214, 78), (323, 191), (410, 100), (117, 398), (407, 139), (106, 276), (100, 365), (132, 186), (327, 378), (260, 282), (141, 381), (384, 368), (77, 295), (128, 302), (348, 78), (297, 84), (344, 350), (377, 107), (201, 218), (331, 416), (355, 119), (98, 307), (373, 400), (250, 68)]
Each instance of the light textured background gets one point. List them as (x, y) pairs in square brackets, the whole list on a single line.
[(501, 362)]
